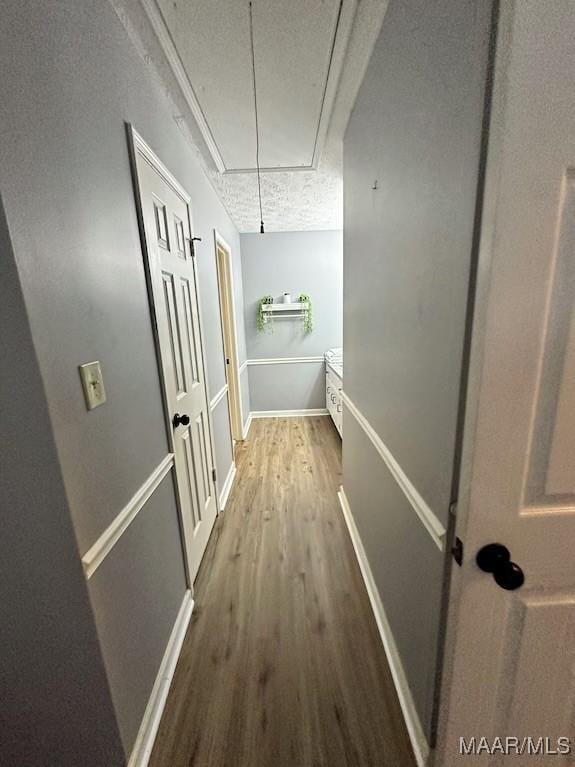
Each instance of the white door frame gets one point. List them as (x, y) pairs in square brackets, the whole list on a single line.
[(137, 143), (226, 297), (447, 692)]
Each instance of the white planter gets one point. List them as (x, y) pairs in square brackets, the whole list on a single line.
[(287, 298)]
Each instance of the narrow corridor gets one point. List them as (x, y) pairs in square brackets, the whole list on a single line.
[(282, 665)]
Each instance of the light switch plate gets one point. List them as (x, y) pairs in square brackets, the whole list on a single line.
[(93, 384)]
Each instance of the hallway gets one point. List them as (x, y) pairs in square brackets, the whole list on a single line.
[(282, 665)]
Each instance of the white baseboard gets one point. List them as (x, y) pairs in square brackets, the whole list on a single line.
[(247, 425), (412, 722), (227, 486), (288, 413), (144, 744)]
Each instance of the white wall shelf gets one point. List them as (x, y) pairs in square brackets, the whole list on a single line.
[(295, 307)]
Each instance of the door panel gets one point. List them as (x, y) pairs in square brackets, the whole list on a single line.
[(553, 449), (175, 345), (161, 223), (192, 356), (172, 274), (537, 678), (180, 240), (192, 482), (514, 651)]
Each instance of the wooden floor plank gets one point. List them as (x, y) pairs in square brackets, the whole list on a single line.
[(282, 665)]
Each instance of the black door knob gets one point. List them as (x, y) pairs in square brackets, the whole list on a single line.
[(496, 559), (180, 419)]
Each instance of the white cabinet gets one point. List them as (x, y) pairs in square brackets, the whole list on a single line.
[(333, 387)]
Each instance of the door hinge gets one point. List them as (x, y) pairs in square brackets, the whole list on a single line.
[(457, 550), (457, 547), (227, 360), (214, 474)]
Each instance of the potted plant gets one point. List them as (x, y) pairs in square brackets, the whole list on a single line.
[(264, 318), (305, 300)]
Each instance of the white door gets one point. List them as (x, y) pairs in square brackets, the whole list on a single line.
[(173, 281), (510, 670), (229, 336)]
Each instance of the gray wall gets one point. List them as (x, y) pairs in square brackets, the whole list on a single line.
[(297, 262), (405, 562), (71, 78), (55, 705), (294, 386), (136, 594), (416, 129)]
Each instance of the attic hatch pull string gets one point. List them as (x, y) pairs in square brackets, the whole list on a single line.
[(257, 124)]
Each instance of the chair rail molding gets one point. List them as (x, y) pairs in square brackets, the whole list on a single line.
[(96, 554), (218, 397), (431, 523), (283, 360)]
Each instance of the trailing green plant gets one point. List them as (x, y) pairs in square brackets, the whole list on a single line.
[(264, 319), (307, 312)]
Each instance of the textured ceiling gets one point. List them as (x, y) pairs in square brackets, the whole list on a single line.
[(291, 200), (295, 199)]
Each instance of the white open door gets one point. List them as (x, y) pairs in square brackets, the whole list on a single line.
[(510, 662), (229, 335), (168, 248)]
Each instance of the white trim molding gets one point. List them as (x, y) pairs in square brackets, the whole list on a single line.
[(144, 744), (165, 39), (247, 425), (218, 397), (243, 366), (288, 413), (341, 35), (410, 715), (431, 523), (96, 554), (283, 360), (148, 153), (227, 486)]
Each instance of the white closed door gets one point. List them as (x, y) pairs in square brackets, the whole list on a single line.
[(510, 673), (173, 282)]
